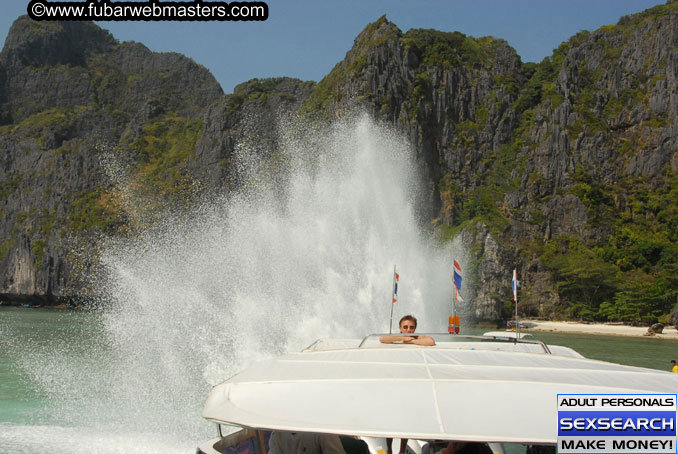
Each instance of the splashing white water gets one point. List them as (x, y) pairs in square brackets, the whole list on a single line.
[(304, 250)]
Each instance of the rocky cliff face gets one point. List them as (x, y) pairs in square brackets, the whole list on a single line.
[(599, 176), (70, 95), (564, 169), (614, 92), (454, 97), (252, 111), (451, 94)]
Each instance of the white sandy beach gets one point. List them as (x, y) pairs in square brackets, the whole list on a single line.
[(610, 329)]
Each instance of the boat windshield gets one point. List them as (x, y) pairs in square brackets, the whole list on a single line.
[(446, 341), (460, 341), (252, 441)]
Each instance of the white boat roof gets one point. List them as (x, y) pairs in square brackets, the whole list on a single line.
[(440, 392)]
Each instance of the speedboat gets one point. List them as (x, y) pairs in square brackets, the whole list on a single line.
[(426, 394), (511, 324), (509, 334)]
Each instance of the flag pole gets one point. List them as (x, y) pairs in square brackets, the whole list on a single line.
[(456, 299), (390, 324), (515, 299)]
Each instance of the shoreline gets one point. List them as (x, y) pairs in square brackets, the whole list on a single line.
[(532, 325), (605, 329)]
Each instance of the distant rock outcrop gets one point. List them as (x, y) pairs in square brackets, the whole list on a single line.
[(655, 328), (68, 92)]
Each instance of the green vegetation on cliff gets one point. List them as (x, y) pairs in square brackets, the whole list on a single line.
[(94, 210), (162, 152), (434, 48)]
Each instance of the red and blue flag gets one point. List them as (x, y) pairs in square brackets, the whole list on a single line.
[(457, 276)]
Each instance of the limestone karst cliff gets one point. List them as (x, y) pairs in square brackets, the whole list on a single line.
[(565, 169)]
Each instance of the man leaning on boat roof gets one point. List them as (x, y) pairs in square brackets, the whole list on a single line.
[(408, 324)]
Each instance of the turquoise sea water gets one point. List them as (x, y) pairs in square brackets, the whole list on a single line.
[(50, 383), (649, 352), (22, 333), (56, 368)]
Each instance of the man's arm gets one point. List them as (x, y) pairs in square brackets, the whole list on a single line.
[(392, 339), (421, 340), (417, 340)]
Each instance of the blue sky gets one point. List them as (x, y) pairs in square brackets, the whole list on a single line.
[(305, 39)]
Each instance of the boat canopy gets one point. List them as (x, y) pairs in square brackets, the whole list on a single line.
[(462, 392)]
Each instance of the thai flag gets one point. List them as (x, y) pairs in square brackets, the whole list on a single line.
[(457, 276), (396, 278), (515, 285)]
